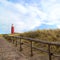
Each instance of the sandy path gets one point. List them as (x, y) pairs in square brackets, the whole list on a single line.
[(7, 52)]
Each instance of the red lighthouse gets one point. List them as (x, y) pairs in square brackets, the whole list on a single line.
[(12, 29)]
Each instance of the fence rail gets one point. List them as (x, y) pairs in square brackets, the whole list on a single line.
[(33, 47)]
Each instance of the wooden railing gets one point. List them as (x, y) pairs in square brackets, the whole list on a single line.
[(49, 44)]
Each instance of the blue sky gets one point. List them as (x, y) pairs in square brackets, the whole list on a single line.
[(28, 15)]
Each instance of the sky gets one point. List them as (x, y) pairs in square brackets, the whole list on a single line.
[(27, 15)]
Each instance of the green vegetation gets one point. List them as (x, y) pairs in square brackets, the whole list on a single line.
[(47, 35), (1, 35)]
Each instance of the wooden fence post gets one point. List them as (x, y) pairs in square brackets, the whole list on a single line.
[(31, 49), (16, 42), (13, 40), (20, 45), (49, 52)]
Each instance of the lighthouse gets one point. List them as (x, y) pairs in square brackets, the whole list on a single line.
[(12, 29)]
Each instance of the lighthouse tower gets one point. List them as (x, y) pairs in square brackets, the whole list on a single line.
[(12, 29)]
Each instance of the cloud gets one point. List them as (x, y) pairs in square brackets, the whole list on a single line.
[(29, 15), (23, 17), (52, 9)]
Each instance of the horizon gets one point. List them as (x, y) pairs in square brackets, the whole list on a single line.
[(29, 15)]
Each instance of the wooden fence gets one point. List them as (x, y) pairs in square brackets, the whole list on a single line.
[(49, 44)]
